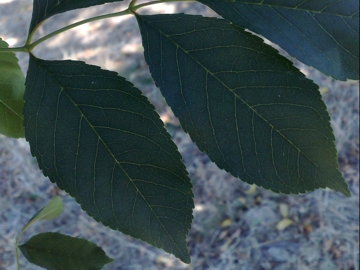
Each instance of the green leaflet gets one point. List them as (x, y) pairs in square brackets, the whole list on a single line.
[(43, 9), (246, 106), (100, 140), (322, 34), (55, 251), (51, 210), (12, 86)]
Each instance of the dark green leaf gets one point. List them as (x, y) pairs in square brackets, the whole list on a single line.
[(246, 106), (55, 251), (43, 9), (99, 139), (12, 86), (322, 34)]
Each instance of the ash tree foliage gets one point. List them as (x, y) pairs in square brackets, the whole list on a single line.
[(246, 106), (58, 251)]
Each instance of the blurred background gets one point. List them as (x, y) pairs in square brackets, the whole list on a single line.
[(235, 226)]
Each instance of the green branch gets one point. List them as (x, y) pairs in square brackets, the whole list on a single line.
[(121, 13), (130, 10), (134, 8), (16, 49)]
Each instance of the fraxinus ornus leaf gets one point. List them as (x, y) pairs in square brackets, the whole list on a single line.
[(322, 34), (98, 138), (245, 105), (55, 251)]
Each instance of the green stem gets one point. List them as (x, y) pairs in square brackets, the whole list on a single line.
[(132, 4), (31, 221), (17, 245), (157, 2), (34, 44), (17, 49), (130, 10), (29, 38), (17, 257)]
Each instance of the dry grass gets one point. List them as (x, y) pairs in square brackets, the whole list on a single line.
[(234, 225)]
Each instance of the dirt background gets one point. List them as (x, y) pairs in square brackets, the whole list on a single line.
[(235, 226)]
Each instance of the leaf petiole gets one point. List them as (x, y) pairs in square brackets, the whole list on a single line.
[(132, 4), (127, 11), (29, 46), (134, 8), (16, 49), (34, 44)]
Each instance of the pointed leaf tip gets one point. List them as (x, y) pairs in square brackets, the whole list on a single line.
[(245, 105)]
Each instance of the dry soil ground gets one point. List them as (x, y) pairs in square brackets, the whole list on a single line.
[(235, 225)]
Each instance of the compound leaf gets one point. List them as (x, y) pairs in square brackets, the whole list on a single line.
[(98, 138), (245, 105), (322, 34), (12, 86), (55, 251), (43, 9)]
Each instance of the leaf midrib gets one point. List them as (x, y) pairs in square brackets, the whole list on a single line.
[(242, 100), (10, 109), (3, 102), (51, 252)]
